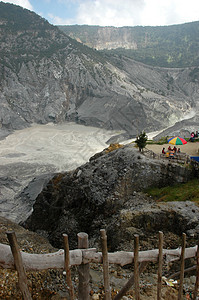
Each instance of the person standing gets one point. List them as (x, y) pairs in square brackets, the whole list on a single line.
[(163, 151)]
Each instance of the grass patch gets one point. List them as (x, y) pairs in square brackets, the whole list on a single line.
[(164, 140), (181, 192), (161, 141), (195, 140)]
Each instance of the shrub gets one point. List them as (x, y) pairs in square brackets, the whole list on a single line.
[(141, 141)]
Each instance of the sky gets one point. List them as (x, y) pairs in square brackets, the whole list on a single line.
[(114, 12)]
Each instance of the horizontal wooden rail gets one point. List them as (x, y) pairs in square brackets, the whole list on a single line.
[(83, 256)]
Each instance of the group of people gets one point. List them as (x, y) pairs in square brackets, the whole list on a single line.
[(170, 153), (193, 136)]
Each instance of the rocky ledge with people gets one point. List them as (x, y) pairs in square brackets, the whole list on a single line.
[(108, 192)]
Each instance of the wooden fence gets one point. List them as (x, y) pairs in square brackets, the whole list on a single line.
[(179, 157), (12, 258)]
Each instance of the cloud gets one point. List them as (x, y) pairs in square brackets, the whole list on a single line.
[(59, 21), (100, 12), (114, 12), (64, 12), (23, 3), (110, 12), (135, 12), (169, 12)]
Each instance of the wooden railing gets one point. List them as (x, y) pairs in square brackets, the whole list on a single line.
[(150, 153), (179, 157), (12, 258)]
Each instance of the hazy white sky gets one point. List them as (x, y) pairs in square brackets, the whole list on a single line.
[(114, 12)]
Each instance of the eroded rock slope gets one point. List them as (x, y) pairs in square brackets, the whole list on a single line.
[(46, 76)]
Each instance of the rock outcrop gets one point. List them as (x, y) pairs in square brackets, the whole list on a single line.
[(107, 193)]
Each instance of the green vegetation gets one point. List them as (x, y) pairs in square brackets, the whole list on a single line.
[(164, 140), (81, 32), (161, 141), (18, 18), (33, 37), (141, 141), (194, 74), (27, 37), (181, 192), (164, 46)]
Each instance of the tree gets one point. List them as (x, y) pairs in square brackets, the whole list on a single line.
[(141, 141)]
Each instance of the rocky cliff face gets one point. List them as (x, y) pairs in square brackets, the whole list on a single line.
[(103, 37), (164, 46), (48, 77), (106, 193)]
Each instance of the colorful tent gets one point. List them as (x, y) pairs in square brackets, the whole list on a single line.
[(177, 140)]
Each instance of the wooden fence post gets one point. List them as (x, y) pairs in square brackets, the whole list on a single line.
[(67, 267), (83, 270), (136, 266), (160, 261), (197, 275), (130, 282), (180, 296), (107, 289), (23, 282)]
